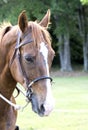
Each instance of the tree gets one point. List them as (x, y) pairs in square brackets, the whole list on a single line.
[(64, 12), (84, 2), (64, 21), (83, 29)]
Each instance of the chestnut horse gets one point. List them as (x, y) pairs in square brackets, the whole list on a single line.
[(25, 56)]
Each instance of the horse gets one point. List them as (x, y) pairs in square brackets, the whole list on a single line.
[(26, 56)]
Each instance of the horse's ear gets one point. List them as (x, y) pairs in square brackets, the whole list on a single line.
[(46, 20), (23, 21)]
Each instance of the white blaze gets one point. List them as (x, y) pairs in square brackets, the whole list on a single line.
[(49, 102)]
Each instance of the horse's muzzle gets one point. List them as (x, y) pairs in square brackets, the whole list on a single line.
[(40, 108)]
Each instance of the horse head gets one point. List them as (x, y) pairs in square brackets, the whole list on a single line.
[(31, 62)]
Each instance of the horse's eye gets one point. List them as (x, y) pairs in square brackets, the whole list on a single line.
[(29, 58)]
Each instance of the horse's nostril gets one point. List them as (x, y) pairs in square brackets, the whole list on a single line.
[(42, 109)]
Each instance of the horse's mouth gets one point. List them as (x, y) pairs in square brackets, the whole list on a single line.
[(39, 109)]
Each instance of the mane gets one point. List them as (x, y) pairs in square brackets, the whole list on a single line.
[(39, 33), (3, 27)]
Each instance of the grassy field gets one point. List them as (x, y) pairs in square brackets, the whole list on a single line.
[(71, 107)]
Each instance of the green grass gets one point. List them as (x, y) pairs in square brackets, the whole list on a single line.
[(71, 107)]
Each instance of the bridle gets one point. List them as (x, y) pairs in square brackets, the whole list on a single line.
[(17, 54)]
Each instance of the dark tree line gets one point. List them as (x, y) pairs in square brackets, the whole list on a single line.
[(69, 28)]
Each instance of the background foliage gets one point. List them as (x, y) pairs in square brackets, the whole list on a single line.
[(63, 18)]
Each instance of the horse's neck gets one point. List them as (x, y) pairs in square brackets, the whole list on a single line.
[(7, 83)]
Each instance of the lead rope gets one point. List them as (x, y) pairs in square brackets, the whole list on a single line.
[(16, 107)]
